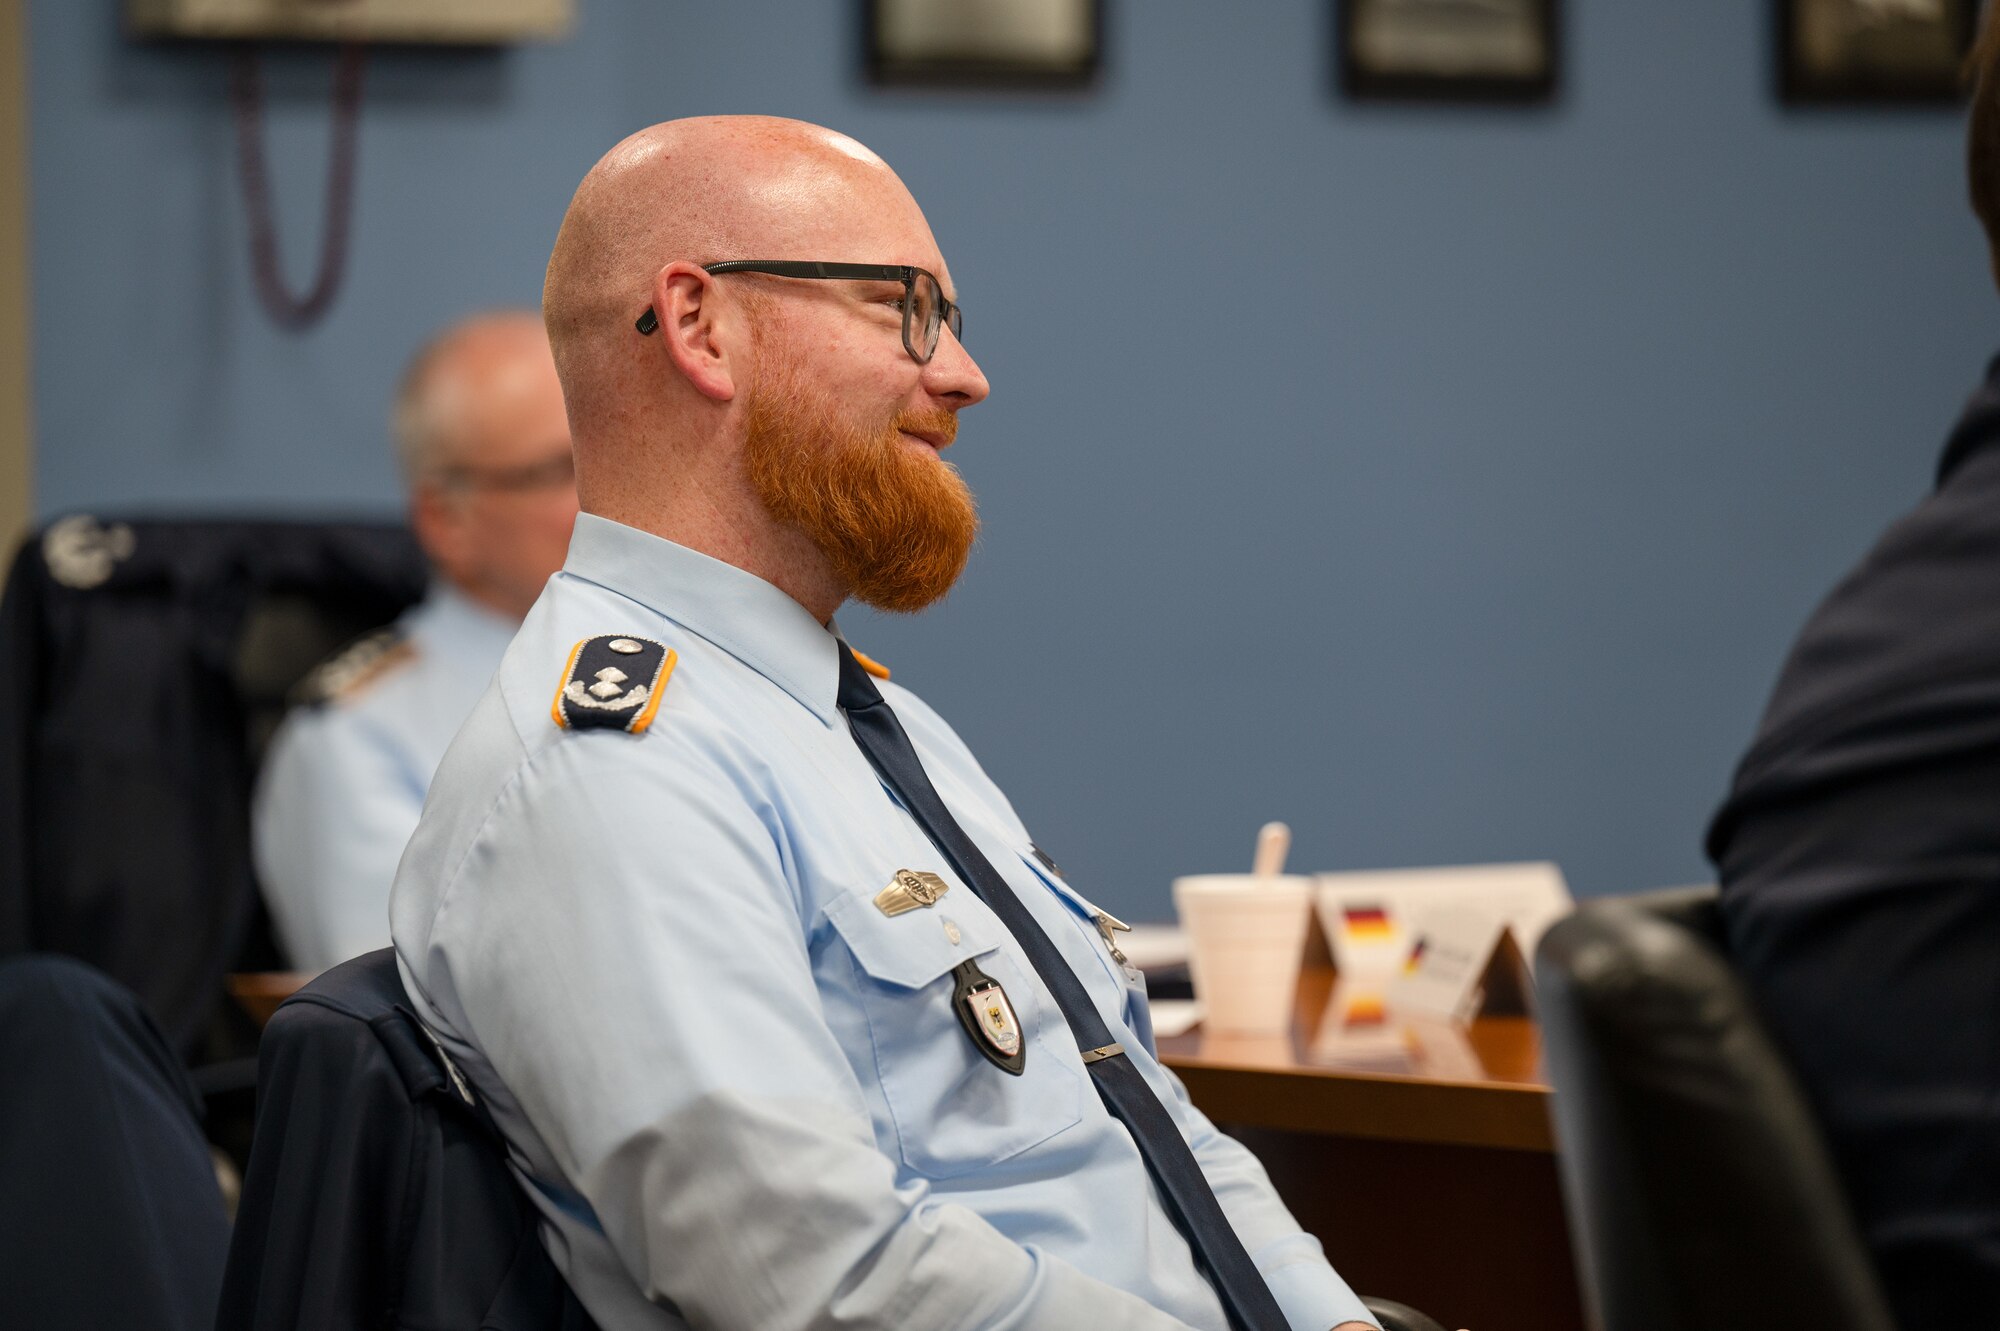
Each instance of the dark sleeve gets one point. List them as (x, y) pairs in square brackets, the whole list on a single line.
[(1859, 857), (335, 1149), (20, 687), (109, 1211)]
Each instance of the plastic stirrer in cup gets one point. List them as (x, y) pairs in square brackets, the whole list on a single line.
[(1274, 842)]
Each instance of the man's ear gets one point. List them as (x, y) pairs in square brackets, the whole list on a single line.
[(703, 329)]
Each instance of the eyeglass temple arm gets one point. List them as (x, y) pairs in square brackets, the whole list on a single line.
[(648, 323)]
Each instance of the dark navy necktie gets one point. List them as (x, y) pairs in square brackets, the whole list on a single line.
[(1245, 1297)]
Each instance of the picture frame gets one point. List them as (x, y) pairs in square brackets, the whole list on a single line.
[(1835, 52), (1024, 44), (1501, 51)]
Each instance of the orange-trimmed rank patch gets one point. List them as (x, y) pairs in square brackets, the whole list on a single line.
[(613, 682), (869, 663)]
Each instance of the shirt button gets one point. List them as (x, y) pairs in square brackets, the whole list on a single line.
[(951, 932)]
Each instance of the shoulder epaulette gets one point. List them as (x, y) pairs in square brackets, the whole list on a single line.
[(356, 666), (868, 663), (613, 681)]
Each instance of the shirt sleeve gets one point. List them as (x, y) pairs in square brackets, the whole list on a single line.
[(334, 808), (625, 949)]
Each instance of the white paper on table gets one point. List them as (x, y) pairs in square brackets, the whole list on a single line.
[(1154, 946), (1174, 1016)]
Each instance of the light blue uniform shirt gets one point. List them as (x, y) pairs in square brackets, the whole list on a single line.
[(344, 780), (735, 1088)]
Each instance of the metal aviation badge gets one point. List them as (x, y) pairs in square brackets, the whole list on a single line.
[(910, 890), (988, 1017)]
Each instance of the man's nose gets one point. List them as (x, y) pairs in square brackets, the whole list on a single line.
[(952, 375)]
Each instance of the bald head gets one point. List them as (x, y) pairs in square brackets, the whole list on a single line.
[(664, 420), (484, 442), (453, 377), (702, 190)]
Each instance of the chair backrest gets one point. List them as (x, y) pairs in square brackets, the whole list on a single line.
[(378, 1192), (1700, 1192), (140, 663)]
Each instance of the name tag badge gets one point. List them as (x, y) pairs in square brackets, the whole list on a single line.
[(987, 1014)]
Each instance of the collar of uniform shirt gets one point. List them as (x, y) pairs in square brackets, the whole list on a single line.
[(739, 612)]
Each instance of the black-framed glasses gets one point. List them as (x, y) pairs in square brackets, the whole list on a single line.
[(925, 309)]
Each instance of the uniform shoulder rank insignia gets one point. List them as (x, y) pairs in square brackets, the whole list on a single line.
[(613, 681), (869, 663), (355, 666)]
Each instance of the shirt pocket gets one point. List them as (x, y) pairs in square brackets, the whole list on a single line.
[(953, 1111)]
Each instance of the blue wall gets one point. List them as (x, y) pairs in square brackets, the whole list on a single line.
[(1447, 482)]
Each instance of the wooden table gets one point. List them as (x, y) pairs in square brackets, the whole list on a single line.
[(260, 992), (1420, 1153)]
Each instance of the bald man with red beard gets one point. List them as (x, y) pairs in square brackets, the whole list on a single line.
[(787, 1021)]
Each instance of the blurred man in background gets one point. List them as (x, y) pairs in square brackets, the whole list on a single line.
[(485, 451), (1859, 853)]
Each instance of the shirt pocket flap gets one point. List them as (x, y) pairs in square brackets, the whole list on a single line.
[(912, 949)]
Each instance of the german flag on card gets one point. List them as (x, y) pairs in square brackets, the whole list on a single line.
[(1416, 960), (1367, 924)]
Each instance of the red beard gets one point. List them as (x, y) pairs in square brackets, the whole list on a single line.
[(897, 525)]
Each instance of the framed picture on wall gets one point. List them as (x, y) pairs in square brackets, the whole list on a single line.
[(1448, 50), (983, 43), (1834, 51)]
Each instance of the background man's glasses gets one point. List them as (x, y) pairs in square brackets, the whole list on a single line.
[(925, 309), (548, 474)]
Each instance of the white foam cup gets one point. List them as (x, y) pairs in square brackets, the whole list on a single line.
[(1246, 936)]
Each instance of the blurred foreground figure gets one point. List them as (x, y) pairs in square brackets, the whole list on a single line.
[(1859, 853), (485, 450), (110, 1215), (785, 1018)]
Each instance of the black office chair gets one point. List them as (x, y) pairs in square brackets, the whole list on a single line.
[(1399, 1317), (378, 1192), (1699, 1191), (142, 663)]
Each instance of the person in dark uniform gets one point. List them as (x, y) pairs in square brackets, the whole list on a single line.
[(110, 1213), (1859, 856)]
